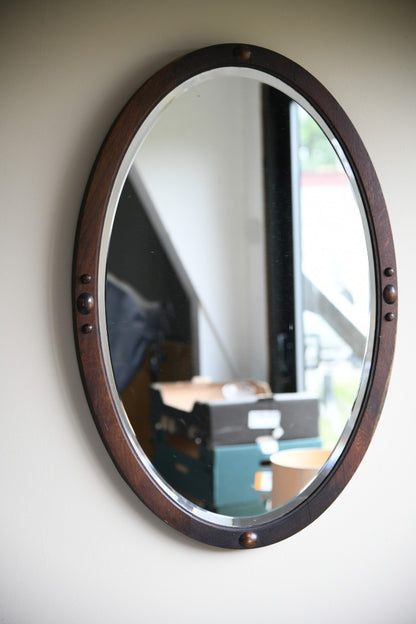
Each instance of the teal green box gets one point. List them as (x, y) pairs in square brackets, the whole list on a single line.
[(221, 479), (235, 467)]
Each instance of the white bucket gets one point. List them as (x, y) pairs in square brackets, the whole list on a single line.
[(293, 469)]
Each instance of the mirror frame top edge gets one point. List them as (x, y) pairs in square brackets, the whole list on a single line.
[(261, 530)]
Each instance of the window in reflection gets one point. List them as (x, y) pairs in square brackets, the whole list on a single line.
[(335, 276)]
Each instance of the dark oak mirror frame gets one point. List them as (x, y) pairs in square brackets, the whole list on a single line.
[(133, 465)]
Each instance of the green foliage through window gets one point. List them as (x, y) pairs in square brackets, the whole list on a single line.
[(316, 152)]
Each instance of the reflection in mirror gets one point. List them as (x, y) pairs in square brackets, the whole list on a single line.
[(238, 295)]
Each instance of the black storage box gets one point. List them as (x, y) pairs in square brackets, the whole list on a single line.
[(199, 412)]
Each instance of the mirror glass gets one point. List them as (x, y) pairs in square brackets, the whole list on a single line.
[(238, 293)]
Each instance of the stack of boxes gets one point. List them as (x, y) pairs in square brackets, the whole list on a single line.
[(213, 441)]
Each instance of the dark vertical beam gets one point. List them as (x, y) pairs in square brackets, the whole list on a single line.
[(279, 237)]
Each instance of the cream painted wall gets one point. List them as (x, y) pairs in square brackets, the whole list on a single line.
[(75, 544)]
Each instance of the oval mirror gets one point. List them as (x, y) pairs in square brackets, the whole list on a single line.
[(235, 296)]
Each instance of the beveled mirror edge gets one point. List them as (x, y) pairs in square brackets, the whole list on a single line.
[(260, 531)]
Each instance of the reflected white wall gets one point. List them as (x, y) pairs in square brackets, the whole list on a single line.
[(201, 165)]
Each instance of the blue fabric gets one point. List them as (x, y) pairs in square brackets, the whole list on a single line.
[(132, 324)]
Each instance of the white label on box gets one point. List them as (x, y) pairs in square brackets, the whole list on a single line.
[(264, 419)]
